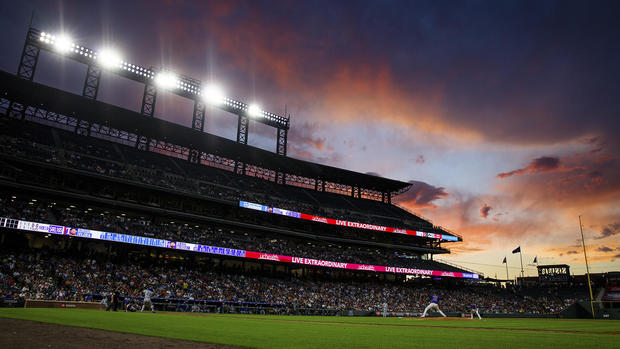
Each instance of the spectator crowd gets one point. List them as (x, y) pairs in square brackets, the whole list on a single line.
[(38, 275)]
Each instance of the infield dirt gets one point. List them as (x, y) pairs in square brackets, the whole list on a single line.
[(30, 334)]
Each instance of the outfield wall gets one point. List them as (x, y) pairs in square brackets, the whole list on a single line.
[(38, 303)]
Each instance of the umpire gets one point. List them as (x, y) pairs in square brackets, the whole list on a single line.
[(115, 301)]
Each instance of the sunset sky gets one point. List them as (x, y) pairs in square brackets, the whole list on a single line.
[(504, 115)]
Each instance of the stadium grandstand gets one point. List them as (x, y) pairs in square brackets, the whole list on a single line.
[(97, 199)]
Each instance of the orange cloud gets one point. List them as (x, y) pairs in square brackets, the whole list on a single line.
[(541, 164)]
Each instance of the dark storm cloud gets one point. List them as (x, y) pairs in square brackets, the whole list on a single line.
[(609, 230), (303, 141), (484, 210), (422, 195), (542, 164)]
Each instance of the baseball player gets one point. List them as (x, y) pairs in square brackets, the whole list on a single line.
[(113, 303), (104, 302), (147, 299), (474, 309), (434, 304)]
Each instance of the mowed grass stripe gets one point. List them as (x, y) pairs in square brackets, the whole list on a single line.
[(249, 331), (532, 325)]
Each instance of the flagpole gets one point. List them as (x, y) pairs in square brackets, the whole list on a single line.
[(521, 257), (506, 269), (587, 267)]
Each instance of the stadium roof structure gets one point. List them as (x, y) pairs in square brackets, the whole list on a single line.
[(31, 94), (146, 128)]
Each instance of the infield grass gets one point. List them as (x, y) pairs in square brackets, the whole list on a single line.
[(268, 331)]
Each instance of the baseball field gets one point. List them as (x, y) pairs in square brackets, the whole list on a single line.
[(266, 331)]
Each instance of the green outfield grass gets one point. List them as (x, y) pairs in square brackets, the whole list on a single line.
[(341, 332)]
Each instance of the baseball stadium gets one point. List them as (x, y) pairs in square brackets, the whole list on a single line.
[(119, 228)]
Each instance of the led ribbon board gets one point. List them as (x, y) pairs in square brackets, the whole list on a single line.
[(283, 212), (186, 246)]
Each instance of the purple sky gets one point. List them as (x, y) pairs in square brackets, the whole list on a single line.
[(504, 115)]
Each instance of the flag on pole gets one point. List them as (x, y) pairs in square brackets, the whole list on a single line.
[(504, 260), (517, 250), (535, 259)]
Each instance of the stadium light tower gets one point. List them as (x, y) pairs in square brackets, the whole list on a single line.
[(152, 78)]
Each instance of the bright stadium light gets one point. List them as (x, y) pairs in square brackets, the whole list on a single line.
[(166, 80), (213, 94), (63, 43), (108, 58), (254, 110), (46, 38)]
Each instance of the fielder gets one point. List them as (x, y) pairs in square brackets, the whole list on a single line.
[(104, 302), (434, 305), (147, 299), (474, 309)]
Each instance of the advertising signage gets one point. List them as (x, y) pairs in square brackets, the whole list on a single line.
[(44, 228), (342, 223)]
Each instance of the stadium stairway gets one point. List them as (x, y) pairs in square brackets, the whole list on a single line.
[(119, 153), (52, 216), (178, 167), (59, 147)]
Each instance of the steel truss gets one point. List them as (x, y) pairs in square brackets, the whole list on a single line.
[(113, 134), (148, 100), (372, 194), (298, 181), (338, 188), (217, 161), (282, 135), (148, 108), (50, 118), (198, 120), (319, 185), (281, 150), (30, 57), (83, 128), (4, 106), (91, 83), (170, 149), (242, 137), (260, 172), (242, 129), (16, 110)]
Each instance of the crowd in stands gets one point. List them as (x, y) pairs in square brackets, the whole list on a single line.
[(95, 218), (39, 275), (35, 142)]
